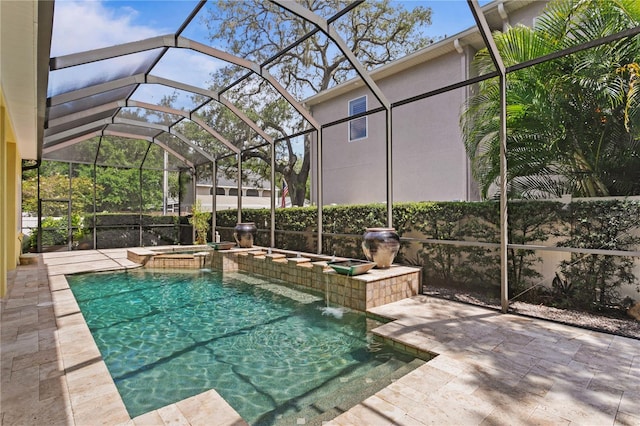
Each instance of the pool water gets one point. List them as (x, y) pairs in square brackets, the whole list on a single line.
[(274, 352)]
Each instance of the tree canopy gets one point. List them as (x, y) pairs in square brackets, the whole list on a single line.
[(117, 189), (377, 32), (572, 123)]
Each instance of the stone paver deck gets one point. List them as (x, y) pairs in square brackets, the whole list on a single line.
[(491, 369)]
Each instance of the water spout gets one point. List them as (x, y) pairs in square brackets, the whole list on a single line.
[(326, 291), (333, 312), (327, 310)]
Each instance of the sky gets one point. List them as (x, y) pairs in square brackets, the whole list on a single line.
[(81, 25)]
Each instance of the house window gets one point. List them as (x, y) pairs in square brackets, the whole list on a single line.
[(358, 127)]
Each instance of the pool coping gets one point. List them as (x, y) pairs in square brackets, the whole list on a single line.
[(92, 391), (88, 378)]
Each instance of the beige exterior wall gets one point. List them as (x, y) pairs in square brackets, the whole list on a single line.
[(429, 162), (225, 202)]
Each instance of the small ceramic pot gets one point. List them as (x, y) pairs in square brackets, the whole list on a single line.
[(243, 234), (381, 245)]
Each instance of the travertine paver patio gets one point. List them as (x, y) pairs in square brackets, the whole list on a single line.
[(491, 368)]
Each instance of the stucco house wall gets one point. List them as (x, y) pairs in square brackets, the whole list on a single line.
[(429, 161), (9, 196), (426, 141), (25, 40)]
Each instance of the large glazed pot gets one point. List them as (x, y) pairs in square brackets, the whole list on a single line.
[(243, 234), (381, 245)]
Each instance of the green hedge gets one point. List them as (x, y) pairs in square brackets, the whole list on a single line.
[(584, 281), (123, 219), (587, 282)]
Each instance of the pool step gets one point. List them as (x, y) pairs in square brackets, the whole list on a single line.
[(349, 391), (358, 391)]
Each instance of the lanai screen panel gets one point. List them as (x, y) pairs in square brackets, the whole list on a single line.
[(173, 162), (86, 118), (183, 149), (305, 66), (574, 177), (120, 23), (155, 160), (150, 116), (189, 67), (61, 107), (83, 152), (151, 189), (229, 125), (283, 28), (255, 87), (179, 147), (121, 152), (88, 94), (159, 94), (53, 139), (363, 27), (93, 73)]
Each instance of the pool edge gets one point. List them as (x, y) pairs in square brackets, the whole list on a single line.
[(85, 371), (92, 391)]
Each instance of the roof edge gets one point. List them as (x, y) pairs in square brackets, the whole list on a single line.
[(469, 37)]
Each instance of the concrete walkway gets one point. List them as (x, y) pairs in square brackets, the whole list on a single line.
[(491, 369)]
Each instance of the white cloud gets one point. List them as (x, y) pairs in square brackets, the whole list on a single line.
[(81, 25), (86, 25), (188, 67)]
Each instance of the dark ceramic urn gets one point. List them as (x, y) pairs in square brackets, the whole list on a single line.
[(243, 234), (381, 245)]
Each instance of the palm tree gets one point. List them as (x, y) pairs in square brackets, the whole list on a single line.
[(572, 123)]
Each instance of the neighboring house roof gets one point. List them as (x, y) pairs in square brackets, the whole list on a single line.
[(495, 13), (253, 181)]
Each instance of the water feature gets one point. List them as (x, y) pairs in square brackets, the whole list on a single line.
[(336, 312), (274, 352)]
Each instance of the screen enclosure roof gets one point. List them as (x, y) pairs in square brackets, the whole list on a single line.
[(157, 81), (156, 88)]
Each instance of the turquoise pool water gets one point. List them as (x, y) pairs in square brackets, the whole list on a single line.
[(272, 351)]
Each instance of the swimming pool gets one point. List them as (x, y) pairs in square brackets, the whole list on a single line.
[(269, 349)]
